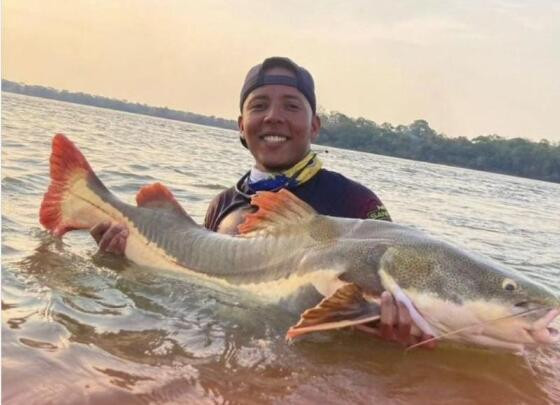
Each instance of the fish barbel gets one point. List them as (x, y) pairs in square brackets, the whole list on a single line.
[(335, 267)]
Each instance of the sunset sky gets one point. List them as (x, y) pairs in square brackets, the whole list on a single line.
[(467, 67)]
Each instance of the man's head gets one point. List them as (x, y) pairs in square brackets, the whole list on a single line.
[(278, 118)]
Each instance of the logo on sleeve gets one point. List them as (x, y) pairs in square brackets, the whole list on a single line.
[(379, 213)]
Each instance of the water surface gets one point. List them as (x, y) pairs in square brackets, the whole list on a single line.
[(79, 327)]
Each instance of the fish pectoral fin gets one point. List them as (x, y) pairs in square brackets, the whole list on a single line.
[(275, 210), (347, 306)]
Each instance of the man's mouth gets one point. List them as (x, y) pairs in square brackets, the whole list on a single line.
[(274, 138)]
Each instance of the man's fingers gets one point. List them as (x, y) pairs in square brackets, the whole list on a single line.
[(416, 331), (107, 237), (397, 324), (388, 316), (114, 239), (117, 244), (404, 324), (98, 230)]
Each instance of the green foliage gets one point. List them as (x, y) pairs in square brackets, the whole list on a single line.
[(417, 141)]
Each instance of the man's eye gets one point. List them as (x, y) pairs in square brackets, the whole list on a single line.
[(293, 107), (258, 106)]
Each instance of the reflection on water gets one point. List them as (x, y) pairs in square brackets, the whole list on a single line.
[(81, 327)]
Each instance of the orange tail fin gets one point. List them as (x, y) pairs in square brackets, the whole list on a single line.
[(67, 167)]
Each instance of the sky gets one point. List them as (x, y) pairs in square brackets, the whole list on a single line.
[(469, 68)]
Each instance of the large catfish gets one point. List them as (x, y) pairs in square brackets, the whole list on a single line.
[(286, 250)]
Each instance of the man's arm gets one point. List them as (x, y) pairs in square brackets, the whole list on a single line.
[(212, 212), (373, 208)]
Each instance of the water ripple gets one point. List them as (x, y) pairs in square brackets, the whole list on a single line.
[(80, 327)]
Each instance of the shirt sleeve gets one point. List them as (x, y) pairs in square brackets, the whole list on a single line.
[(374, 209), (211, 217), (365, 203)]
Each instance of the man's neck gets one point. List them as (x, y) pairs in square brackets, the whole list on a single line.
[(258, 175), (298, 174)]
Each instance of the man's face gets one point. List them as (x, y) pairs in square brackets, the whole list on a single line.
[(278, 124)]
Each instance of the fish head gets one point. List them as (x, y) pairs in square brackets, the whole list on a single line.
[(469, 298)]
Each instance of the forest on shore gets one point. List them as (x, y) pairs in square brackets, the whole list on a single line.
[(417, 141)]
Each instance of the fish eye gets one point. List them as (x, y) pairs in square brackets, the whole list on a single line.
[(509, 285)]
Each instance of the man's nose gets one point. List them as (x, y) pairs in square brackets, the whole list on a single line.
[(274, 114)]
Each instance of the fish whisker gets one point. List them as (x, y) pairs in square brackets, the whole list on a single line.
[(490, 321)]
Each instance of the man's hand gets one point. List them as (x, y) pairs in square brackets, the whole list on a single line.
[(110, 237), (396, 325)]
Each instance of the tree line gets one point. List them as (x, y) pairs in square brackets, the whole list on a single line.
[(113, 104), (417, 141)]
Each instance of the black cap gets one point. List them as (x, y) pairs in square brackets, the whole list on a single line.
[(303, 81), (257, 78)]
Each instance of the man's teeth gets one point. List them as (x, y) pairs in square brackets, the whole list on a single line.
[(274, 138)]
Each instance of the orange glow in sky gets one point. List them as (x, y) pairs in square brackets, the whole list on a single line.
[(468, 68)]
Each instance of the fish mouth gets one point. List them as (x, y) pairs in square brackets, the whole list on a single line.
[(542, 332)]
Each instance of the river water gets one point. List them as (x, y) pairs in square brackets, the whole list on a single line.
[(79, 327)]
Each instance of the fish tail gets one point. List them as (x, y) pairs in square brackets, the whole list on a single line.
[(75, 193)]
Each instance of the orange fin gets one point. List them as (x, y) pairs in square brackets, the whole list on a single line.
[(275, 209), (156, 195), (346, 307), (67, 164)]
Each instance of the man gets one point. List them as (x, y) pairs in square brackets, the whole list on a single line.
[(277, 124)]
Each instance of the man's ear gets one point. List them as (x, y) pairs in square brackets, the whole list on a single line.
[(240, 123), (315, 127), (241, 129)]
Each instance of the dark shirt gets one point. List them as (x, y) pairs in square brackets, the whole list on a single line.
[(329, 193)]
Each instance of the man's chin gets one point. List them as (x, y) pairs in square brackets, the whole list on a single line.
[(274, 163)]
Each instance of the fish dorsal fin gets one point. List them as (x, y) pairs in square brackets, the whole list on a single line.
[(157, 196), (347, 306), (276, 210)]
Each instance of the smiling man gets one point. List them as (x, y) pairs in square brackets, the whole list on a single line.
[(277, 124)]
